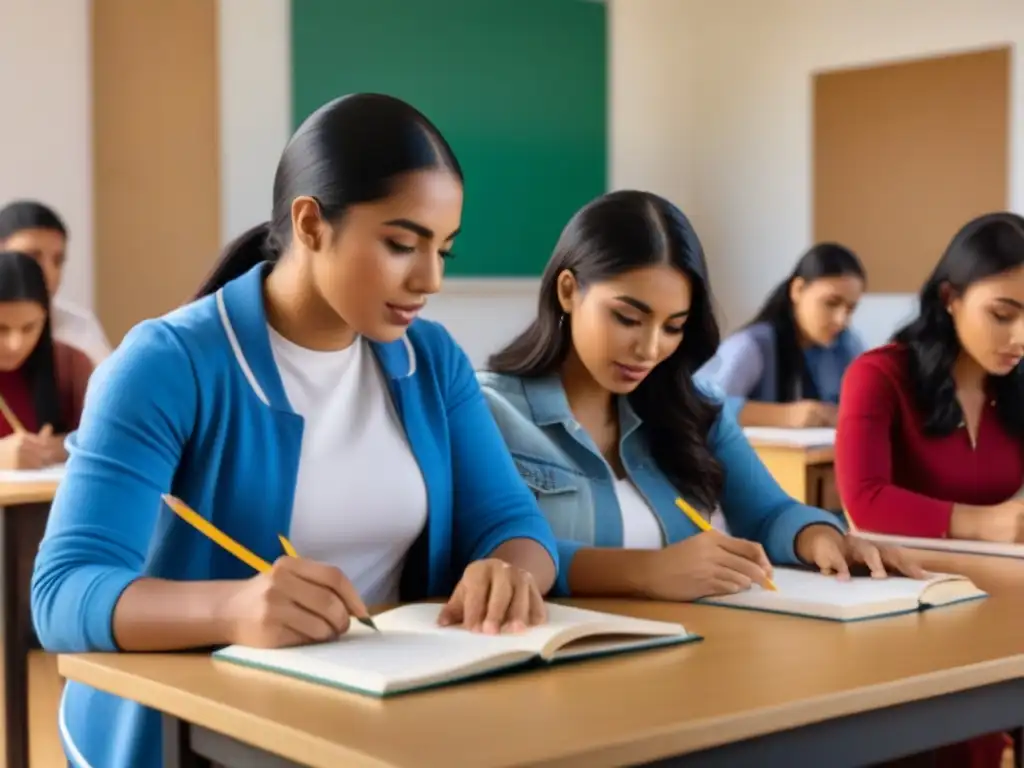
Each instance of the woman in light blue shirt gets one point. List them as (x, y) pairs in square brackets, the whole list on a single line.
[(785, 367), (597, 403)]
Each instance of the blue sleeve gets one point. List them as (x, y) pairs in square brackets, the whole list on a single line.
[(492, 503), (754, 505), (138, 413), (567, 550), (735, 370)]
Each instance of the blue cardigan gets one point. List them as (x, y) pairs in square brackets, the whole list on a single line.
[(192, 403)]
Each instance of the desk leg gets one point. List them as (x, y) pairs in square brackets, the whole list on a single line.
[(1018, 747), (21, 530), (177, 749)]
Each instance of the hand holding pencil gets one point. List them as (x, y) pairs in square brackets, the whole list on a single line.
[(707, 563), (294, 601)]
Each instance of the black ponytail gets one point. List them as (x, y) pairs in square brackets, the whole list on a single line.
[(349, 151), (250, 248)]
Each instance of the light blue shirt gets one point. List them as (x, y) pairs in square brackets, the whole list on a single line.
[(575, 486), (745, 367)]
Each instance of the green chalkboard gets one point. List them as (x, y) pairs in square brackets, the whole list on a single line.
[(518, 87)]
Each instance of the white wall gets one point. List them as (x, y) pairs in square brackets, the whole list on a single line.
[(744, 149), (46, 128)]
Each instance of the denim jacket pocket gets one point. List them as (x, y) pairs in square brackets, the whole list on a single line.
[(562, 495)]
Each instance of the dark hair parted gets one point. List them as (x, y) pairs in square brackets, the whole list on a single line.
[(985, 247), (820, 261), (19, 215), (614, 234), (349, 151), (22, 279)]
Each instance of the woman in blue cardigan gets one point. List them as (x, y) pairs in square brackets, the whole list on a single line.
[(297, 395), (597, 403)]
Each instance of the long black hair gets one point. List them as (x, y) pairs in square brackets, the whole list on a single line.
[(22, 279), (984, 247), (617, 233), (19, 215), (347, 152), (820, 261)]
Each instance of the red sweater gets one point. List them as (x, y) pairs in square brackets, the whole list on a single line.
[(72, 369), (892, 477)]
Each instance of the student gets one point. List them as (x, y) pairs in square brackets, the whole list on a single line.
[(36, 229), (597, 405), (931, 427), (42, 381), (930, 440), (299, 396), (784, 369)]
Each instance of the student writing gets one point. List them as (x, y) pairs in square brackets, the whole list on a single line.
[(931, 427), (36, 229), (598, 406), (785, 367), (299, 395), (41, 380)]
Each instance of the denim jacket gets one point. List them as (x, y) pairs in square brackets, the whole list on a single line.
[(575, 486)]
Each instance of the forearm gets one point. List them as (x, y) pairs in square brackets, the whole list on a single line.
[(160, 615), (600, 572), (530, 556), (965, 522), (755, 414)]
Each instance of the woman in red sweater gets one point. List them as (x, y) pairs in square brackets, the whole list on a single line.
[(930, 436), (42, 381)]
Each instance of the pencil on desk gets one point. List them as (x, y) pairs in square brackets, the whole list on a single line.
[(217, 536), (704, 525)]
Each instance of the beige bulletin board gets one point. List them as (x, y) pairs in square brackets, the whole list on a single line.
[(156, 155), (906, 153)]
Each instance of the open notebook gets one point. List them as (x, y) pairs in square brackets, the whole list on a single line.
[(811, 594), (54, 473), (947, 545), (816, 437), (412, 652)]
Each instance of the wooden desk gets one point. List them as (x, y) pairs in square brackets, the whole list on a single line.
[(24, 508), (803, 473), (760, 690)]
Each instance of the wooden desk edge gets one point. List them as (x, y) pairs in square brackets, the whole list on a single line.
[(684, 738), (12, 494), (818, 454)]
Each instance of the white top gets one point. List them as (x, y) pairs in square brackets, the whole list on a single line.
[(360, 500), (640, 527), (79, 328)]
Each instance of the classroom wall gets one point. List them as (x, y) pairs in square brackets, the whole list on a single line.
[(45, 133), (745, 149)]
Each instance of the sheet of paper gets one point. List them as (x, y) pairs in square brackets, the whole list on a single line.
[(804, 438), (45, 475)]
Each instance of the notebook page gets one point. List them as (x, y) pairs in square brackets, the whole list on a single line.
[(810, 588), (804, 438), (422, 617), (51, 474), (368, 659)]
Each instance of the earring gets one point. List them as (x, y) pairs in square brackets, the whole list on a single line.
[(561, 321)]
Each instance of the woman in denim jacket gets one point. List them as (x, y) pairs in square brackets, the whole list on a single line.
[(597, 404)]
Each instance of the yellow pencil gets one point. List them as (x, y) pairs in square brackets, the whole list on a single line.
[(704, 525), (13, 420), (217, 536)]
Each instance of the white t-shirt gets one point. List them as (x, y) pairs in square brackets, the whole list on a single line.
[(640, 528), (360, 499), (79, 328)]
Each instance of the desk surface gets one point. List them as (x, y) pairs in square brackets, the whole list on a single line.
[(753, 674), (27, 493), (819, 454)]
